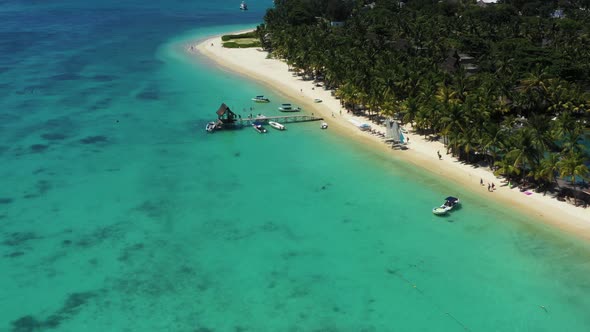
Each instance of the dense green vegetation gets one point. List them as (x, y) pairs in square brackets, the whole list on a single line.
[(506, 82)]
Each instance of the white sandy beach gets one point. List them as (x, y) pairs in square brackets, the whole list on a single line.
[(273, 73)]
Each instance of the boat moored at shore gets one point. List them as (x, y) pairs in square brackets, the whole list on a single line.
[(324, 125), (289, 108)]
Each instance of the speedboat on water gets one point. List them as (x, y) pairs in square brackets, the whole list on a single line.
[(276, 125), (448, 205), (289, 108), (324, 125), (210, 127), (261, 99), (243, 6), (259, 128)]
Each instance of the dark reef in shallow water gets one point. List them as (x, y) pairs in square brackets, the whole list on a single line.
[(94, 139), (38, 148), (73, 304), (4, 201), (54, 137), (19, 238), (66, 77), (104, 78), (148, 95), (129, 251), (14, 254), (98, 236), (152, 209), (41, 187), (101, 104), (27, 324)]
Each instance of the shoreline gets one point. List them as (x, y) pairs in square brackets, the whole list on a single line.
[(253, 64)]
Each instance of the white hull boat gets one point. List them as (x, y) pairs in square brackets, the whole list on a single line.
[(289, 108), (449, 204), (276, 125), (261, 99), (324, 125), (210, 127)]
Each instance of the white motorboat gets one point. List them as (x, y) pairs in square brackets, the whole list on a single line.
[(259, 128), (324, 125), (276, 125), (210, 127), (261, 99), (289, 108), (243, 6), (449, 204)]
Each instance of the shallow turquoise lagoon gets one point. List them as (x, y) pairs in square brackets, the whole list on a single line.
[(119, 213)]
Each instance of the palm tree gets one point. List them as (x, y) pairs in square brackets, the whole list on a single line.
[(506, 167), (573, 166), (549, 168), (523, 153)]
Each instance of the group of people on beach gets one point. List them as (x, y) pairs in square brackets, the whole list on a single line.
[(491, 187)]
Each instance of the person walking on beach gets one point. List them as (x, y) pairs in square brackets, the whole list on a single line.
[(493, 186), (489, 187), (481, 182), (439, 156)]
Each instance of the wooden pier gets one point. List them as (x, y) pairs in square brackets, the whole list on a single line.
[(227, 119), (280, 118)]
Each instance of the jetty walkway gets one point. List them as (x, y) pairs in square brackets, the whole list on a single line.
[(279, 118)]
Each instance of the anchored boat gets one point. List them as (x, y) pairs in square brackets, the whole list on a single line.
[(449, 204), (261, 99)]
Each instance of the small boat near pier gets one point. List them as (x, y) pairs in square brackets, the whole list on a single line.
[(259, 128), (276, 125), (210, 127)]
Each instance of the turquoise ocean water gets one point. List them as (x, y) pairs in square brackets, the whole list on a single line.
[(118, 212)]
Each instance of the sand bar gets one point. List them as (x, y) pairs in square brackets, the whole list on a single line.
[(253, 63)]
